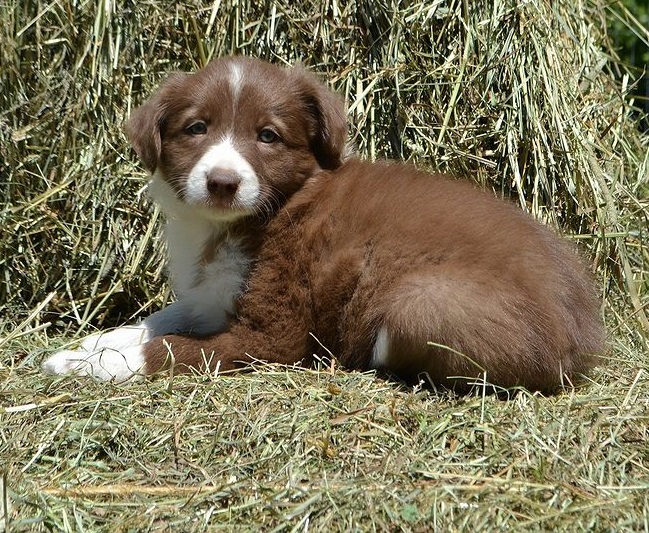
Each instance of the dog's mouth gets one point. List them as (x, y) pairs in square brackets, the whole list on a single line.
[(228, 201), (226, 204), (219, 203)]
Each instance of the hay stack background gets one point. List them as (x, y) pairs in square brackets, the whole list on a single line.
[(521, 96), (517, 96)]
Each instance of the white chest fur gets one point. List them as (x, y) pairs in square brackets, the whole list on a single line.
[(206, 280)]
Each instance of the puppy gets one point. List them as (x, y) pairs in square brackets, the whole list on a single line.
[(281, 250)]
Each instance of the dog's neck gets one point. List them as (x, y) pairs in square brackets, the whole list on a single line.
[(203, 246)]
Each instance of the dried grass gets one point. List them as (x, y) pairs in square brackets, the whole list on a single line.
[(520, 96), (325, 451)]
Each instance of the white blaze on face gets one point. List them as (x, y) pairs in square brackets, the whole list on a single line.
[(236, 82), (224, 157)]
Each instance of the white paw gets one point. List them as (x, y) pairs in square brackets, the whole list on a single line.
[(105, 363), (117, 339)]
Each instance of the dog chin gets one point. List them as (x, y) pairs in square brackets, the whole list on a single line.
[(219, 212), (217, 208)]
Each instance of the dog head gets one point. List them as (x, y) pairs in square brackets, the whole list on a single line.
[(239, 136)]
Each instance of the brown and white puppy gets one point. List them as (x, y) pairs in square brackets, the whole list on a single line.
[(382, 265)]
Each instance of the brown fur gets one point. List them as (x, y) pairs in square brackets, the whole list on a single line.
[(362, 247)]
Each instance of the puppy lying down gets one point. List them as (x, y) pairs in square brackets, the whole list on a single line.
[(282, 250)]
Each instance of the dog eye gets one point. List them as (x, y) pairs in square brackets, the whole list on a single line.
[(197, 128), (268, 136)]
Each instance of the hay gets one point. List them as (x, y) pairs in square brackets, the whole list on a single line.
[(328, 451), (523, 97), (517, 96)]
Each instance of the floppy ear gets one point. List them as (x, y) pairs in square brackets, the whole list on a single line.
[(328, 112), (145, 126)]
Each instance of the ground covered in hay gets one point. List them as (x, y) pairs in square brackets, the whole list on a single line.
[(288, 449), (526, 98)]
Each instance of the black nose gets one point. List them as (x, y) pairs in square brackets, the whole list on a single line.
[(222, 184)]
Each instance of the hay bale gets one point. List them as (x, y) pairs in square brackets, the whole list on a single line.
[(516, 95)]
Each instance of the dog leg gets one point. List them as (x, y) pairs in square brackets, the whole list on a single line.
[(117, 354)]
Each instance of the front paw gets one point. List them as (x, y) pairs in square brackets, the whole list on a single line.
[(106, 364), (119, 339)]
